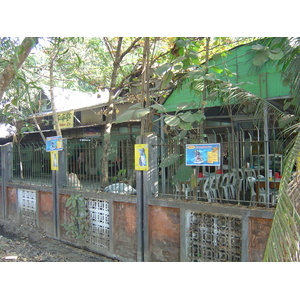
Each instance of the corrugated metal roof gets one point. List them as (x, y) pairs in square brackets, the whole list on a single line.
[(266, 81)]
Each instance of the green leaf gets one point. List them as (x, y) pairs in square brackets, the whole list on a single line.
[(185, 126), (182, 134), (170, 160), (141, 113), (260, 58), (258, 47), (187, 117), (183, 105), (172, 120), (135, 106), (158, 107), (276, 54), (126, 116), (166, 79), (193, 55), (161, 69), (179, 59), (216, 69), (180, 43), (199, 117)]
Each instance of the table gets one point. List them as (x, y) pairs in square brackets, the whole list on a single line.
[(273, 184)]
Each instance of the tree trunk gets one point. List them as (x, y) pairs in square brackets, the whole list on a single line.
[(55, 118), (11, 69), (108, 125), (145, 122)]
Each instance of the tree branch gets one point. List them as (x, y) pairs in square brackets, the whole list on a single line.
[(12, 67)]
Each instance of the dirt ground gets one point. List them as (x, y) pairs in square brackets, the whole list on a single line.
[(20, 243)]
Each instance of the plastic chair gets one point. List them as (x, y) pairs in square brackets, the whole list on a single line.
[(213, 188), (224, 186), (262, 195), (187, 190), (206, 189), (177, 190), (232, 185)]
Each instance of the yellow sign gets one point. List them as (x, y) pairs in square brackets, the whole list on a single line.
[(66, 119), (141, 157), (54, 160)]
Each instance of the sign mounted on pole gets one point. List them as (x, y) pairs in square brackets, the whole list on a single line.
[(141, 157), (54, 143), (203, 154), (54, 160)]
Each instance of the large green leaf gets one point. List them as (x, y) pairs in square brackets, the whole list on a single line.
[(139, 113), (184, 173), (185, 125), (170, 160), (199, 117), (183, 105), (158, 107), (216, 69), (172, 120), (166, 79), (260, 57), (187, 117), (126, 116), (276, 54), (163, 68), (136, 106)]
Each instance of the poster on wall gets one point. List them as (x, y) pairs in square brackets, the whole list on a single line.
[(203, 154), (54, 160), (141, 157)]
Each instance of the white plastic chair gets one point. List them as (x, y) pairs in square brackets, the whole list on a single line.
[(232, 185), (206, 189), (262, 195), (177, 190), (224, 186), (187, 190)]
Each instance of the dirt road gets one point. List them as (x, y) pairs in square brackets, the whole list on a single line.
[(28, 244)]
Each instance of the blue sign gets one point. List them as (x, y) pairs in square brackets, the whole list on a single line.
[(54, 143), (203, 154)]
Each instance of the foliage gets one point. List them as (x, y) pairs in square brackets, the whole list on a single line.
[(78, 226), (121, 176)]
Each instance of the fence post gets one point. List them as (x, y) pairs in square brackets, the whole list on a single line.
[(58, 181), (6, 171), (147, 187)]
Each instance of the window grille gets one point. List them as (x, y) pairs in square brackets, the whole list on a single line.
[(98, 211), (27, 206), (214, 237)]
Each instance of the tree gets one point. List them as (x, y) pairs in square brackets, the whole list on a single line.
[(16, 62), (117, 55), (284, 240)]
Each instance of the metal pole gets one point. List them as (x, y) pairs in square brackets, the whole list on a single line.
[(266, 150)]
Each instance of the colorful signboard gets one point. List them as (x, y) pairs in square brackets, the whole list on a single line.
[(54, 160), (66, 119), (203, 154), (54, 143), (141, 157)]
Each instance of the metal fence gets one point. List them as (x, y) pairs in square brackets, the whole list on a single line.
[(84, 164), (246, 176), (31, 164)]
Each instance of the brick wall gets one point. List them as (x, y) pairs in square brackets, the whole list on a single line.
[(164, 234), (125, 230), (46, 212), (11, 202), (259, 230)]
